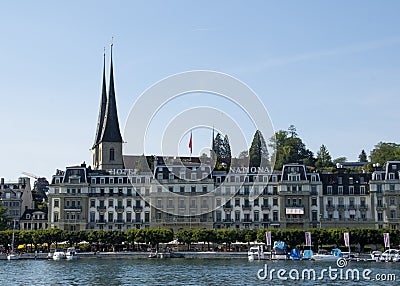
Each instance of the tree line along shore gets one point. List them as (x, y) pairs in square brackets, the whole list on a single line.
[(362, 239)]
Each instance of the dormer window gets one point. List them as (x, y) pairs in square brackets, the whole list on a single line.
[(294, 177), (391, 175), (28, 216)]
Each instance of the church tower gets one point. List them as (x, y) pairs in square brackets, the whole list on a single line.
[(107, 148)]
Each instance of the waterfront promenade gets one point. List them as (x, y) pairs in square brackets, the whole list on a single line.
[(138, 255)]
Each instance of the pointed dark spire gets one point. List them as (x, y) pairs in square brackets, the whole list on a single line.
[(103, 104), (111, 131)]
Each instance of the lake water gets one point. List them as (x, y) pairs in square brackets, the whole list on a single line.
[(173, 272)]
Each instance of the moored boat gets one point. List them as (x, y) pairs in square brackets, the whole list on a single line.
[(71, 253), (59, 255)]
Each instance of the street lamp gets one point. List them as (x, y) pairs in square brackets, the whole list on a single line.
[(320, 221)]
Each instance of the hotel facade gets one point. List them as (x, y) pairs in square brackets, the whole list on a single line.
[(180, 192)]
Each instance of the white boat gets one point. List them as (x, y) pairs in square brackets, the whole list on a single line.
[(71, 253), (324, 255), (12, 255), (390, 255), (59, 255), (255, 253)]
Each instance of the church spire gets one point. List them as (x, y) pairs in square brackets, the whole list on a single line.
[(103, 103), (111, 131)]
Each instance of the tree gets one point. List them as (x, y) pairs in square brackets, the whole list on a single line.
[(244, 154), (4, 220), (258, 152), (384, 152), (289, 148), (185, 236), (340, 159), (226, 151), (363, 156), (324, 159)]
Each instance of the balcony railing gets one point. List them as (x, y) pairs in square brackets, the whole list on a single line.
[(119, 208), (246, 207), (72, 208), (101, 221), (101, 208)]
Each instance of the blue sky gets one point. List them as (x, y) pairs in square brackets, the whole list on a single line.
[(331, 68)]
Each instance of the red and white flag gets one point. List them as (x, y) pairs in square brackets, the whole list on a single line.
[(308, 238), (346, 238), (191, 144), (268, 236), (386, 239)]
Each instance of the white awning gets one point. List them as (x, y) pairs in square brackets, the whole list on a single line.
[(352, 212), (295, 211), (246, 211), (265, 211)]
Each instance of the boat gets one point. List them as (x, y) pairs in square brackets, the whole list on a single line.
[(324, 255), (279, 251), (71, 253), (390, 255), (12, 255), (59, 254), (255, 253)]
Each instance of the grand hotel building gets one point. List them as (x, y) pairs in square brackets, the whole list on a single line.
[(113, 194)]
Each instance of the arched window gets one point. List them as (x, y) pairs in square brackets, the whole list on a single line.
[(112, 153)]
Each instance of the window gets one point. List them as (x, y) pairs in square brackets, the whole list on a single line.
[(256, 202), (314, 201), (193, 189), (204, 189), (392, 201), (362, 190), (275, 216), (55, 216), (351, 190), (129, 203), (182, 189), (392, 214), (380, 216), (340, 180), (379, 189), (92, 203), (237, 202), (56, 203), (129, 192), (237, 216), (340, 190), (351, 181), (275, 201), (329, 190), (256, 216), (112, 154), (111, 203)]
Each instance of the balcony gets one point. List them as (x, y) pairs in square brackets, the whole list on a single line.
[(380, 206), (101, 208), (247, 220), (228, 220), (246, 207), (138, 209), (265, 220), (341, 206), (330, 207), (298, 220), (265, 207), (136, 221), (228, 207), (72, 208), (119, 208), (119, 221), (363, 207), (101, 221)]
